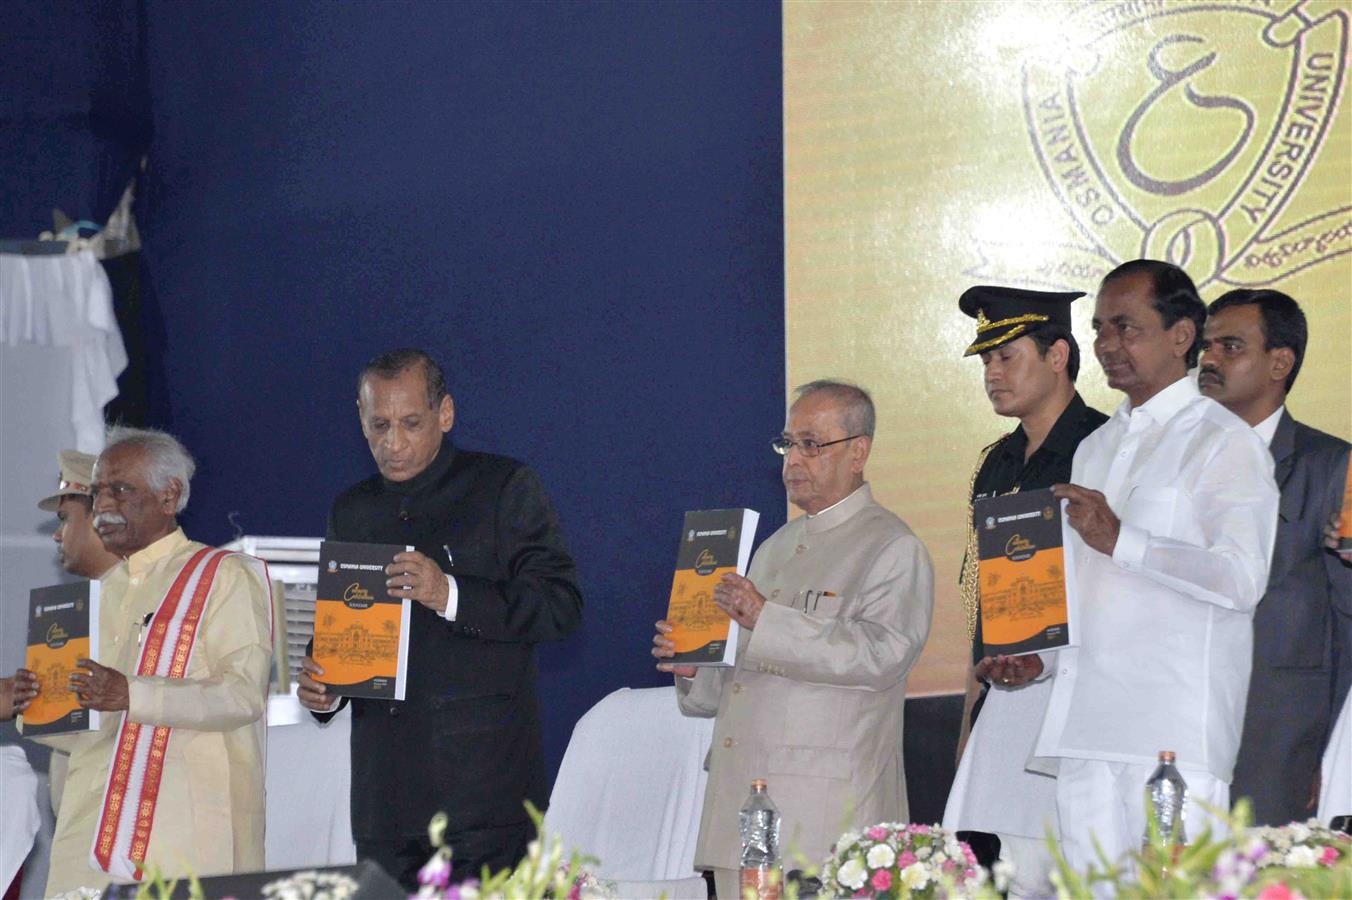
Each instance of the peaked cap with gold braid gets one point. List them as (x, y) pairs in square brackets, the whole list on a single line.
[(1004, 313)]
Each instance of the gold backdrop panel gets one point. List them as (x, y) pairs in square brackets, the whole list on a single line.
[(933, 146)]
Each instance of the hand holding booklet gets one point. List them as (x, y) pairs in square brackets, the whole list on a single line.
[(63, 626), (714, 542), (361, 632), (1026, 576)]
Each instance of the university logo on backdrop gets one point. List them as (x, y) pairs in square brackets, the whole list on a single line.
[(1185, 131)]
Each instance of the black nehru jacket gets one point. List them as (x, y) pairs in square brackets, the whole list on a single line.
[(466, 741), (1004, 468)]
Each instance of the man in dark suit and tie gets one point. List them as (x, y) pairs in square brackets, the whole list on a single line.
[(1252, 348), (491, 577)]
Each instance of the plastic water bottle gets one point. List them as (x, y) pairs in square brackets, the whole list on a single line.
[(760, 845), (1166, 795)]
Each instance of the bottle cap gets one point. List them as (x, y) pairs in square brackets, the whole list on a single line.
[(758, 784), (1166, 756)]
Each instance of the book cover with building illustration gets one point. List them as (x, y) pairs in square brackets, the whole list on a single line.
[(63, 626), (361, 632), (713, 543), (1025, 605)]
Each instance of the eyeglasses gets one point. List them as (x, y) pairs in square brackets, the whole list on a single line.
[(807, 446)]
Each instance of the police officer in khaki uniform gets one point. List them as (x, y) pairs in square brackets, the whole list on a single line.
[(78, 549)]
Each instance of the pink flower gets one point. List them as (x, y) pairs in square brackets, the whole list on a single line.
[(949, 865), (1330, 856), (436, 871), (921, 829), (905, 859), (1278, 891), (862, 892), (969, 873), (877, 833), (882, 879), (968, 854)]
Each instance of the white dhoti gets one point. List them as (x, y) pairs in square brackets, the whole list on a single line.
[(994, 792)]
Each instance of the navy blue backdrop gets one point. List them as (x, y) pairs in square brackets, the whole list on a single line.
[(576, 207)]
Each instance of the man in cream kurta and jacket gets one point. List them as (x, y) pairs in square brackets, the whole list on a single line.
[(814, 704), (208, 816)]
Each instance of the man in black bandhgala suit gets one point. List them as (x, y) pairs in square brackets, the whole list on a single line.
[(491, 577)]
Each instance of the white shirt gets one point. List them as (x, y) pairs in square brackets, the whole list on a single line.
[(1267, 429), (452, 599), (1165, 624)]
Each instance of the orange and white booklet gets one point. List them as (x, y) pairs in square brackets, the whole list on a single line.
[(361, 632), (1027, 577), (1345, 529), (63, 626), (713, 543)]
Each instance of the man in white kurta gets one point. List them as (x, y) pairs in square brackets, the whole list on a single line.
[(209, 816), (1173, 509), (814, 704)]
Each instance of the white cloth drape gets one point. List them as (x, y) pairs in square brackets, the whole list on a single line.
[(19, 788), (66, 301)]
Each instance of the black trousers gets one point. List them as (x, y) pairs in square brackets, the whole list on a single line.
[(497, 848)]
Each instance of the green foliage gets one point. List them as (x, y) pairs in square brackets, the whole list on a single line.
[(155, 886), (1249, 863)]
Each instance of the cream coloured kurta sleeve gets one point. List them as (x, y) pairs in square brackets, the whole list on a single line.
[(64, 743), (699, 696), (227, 685), (875, 640)]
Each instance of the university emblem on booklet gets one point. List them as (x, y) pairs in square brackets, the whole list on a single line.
[(1188, 131)]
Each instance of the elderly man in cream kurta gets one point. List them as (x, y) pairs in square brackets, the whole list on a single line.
[(208, 814), (834, 613)]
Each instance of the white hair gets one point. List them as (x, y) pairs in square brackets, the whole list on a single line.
[(167, 460), (857, 413)]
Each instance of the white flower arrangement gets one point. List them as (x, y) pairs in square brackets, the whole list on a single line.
[(311, 885), (900, 860)]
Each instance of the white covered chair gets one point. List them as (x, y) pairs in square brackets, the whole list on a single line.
[(630, 791), (1335, 797)]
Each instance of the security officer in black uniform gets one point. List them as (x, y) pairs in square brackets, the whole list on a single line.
[(1030, 360)]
